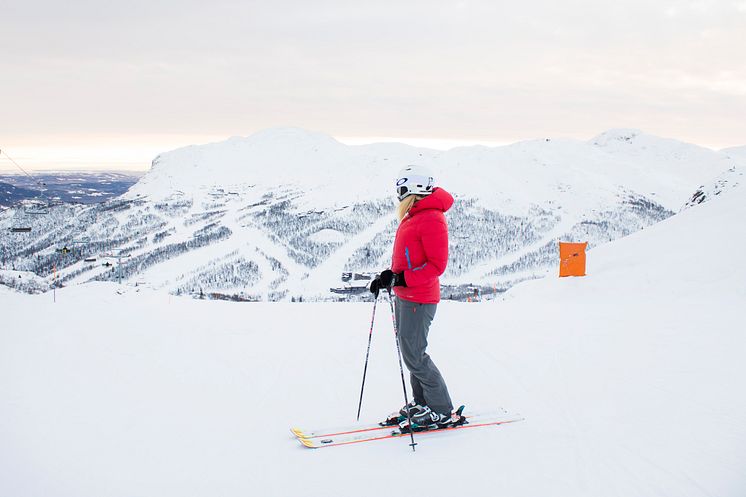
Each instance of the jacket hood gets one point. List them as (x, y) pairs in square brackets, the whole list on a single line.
[(439, 200)]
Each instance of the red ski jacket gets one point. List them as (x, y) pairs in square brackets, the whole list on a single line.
[(421, 248)]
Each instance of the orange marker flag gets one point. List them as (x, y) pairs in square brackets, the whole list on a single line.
[(572, 259)]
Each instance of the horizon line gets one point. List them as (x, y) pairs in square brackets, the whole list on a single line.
[(94, 158)]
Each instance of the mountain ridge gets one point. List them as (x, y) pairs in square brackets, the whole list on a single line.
[(295, 156)]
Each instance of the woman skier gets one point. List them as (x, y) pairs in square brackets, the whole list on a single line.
[(420, 257)]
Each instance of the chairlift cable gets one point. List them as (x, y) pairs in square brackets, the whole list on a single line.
[(16, 164), (3, 152)]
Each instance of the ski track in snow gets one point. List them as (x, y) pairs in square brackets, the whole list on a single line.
[(326, 274), (480, 272)]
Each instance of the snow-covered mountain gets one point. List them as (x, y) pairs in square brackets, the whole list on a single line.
[(284, 213)]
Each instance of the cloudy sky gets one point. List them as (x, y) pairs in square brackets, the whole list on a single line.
[(111, 84)]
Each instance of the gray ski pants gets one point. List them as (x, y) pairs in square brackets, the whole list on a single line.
[(428, 387)]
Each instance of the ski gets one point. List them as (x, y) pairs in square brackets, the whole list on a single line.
[(363, 428), (340, 430), (390, 432)]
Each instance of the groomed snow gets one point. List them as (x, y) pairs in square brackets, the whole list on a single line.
[(327, 236), (631, 381)]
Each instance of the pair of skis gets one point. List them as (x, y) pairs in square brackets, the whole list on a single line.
[(355, 434), (335, 437)]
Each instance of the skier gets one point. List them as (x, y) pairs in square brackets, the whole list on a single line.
[(420, 257)]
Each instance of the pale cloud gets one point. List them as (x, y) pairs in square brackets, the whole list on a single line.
[(95, 151)]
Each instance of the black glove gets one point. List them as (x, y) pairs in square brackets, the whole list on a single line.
[(386, 279), (390, 278), (375, 286)]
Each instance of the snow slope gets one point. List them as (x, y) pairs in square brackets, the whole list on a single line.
[(631, 381)]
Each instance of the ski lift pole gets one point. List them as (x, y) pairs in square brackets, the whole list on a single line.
[(118, 256), (401, 370), (82, 241), (367, 353)]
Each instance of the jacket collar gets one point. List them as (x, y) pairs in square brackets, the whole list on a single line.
[(439, 200)]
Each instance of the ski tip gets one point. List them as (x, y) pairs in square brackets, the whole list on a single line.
[(307, 443), (297, 432)]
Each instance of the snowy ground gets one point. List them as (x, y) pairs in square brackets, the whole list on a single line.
[(631, 381)]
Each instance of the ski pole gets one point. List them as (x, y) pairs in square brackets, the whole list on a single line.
[(401, 370), (365, 369)]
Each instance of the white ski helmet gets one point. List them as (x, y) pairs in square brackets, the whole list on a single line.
[(414, 180)]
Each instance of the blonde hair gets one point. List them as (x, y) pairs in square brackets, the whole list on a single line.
[(405, 205)]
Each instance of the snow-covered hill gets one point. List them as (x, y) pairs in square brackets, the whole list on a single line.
[(283, 213), (630, 381)]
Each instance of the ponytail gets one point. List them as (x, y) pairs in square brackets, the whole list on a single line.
[(405, 205)]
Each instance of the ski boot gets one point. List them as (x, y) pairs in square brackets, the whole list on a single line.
[(397, 417), (427, 420)]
